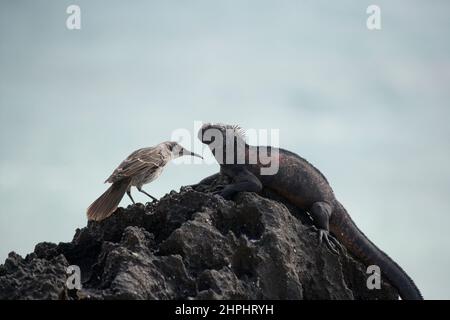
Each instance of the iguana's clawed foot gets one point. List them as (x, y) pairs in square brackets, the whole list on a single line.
[(331, 242), (225, 193)]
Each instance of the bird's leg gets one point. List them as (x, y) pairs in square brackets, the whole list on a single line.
[(129, 194), (140, 190), (321, 212)]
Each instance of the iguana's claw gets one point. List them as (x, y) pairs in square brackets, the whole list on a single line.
[(330, 241), (225, 193), (336, 243)]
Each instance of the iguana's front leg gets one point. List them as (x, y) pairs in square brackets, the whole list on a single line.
[(243, 180), (210, 179), (205, 181)]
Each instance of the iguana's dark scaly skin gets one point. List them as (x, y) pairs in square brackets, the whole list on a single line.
[(306, 187)]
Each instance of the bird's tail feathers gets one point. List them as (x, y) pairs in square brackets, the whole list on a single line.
[(107, 203)]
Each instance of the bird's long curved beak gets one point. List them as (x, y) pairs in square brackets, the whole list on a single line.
[(190, 153), (196, 155)]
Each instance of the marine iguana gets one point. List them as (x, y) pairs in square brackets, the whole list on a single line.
[(304, 186)]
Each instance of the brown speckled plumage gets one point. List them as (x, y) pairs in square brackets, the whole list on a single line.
[(139, 168)]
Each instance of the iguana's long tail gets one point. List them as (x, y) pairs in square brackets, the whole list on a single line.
[(346, 231)]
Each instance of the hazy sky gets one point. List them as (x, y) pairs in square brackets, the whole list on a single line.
[(369, 108)]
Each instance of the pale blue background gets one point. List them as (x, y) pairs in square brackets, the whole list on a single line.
[(369, 108)]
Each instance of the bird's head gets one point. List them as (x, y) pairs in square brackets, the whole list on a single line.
[(177, 150)]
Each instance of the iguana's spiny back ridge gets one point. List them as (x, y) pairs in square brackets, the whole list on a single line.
[(307, 188)]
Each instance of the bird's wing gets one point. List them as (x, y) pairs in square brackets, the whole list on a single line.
[(137, 161)]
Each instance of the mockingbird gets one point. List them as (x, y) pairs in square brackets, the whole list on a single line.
[(139, 168)]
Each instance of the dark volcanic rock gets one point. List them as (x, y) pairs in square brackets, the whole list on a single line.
[(193, 245)]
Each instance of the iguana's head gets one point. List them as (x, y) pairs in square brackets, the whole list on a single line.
[(222, 137), (210, 132)]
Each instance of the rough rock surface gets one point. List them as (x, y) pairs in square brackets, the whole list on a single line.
[(193, 245)]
